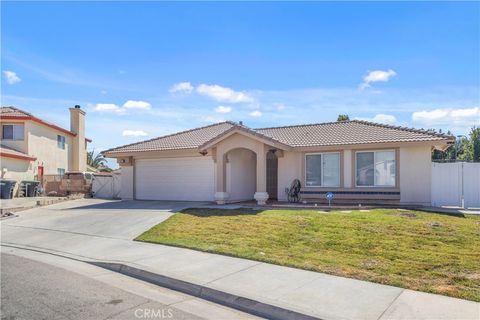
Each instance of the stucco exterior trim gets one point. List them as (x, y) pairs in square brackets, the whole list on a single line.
[(16, 156)]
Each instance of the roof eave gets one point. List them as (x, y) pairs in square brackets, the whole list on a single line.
[(436, 143), (132, 153), (246, 132), (16, 156)]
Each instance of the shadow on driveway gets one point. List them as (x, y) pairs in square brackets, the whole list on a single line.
[(172, 206)]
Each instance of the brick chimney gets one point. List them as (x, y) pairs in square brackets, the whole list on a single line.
[(79, 150)]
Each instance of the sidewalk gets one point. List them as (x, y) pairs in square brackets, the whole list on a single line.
[(311, 293), (25, 203)]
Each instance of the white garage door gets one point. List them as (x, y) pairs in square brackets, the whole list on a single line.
[(187, 179)]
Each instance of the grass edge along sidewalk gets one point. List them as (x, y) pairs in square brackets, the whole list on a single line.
[(410, 249)]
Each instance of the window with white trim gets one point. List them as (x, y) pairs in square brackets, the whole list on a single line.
[(375, 168), (13, 131), (322, 169), (60, 171)]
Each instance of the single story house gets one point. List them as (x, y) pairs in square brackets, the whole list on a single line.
[(358, 161)]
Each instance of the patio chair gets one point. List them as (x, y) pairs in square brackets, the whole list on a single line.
[(293, 193)]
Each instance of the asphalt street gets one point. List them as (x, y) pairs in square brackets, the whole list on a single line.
[(35, 290)]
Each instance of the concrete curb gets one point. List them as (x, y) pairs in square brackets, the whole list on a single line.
[(226, 299)]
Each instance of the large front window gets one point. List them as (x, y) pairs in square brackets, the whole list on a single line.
[(12, 132), (375, 168), (322, 170)]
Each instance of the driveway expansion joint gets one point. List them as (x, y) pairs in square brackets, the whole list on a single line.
[(70, 232), (235, 272), (390, 305)]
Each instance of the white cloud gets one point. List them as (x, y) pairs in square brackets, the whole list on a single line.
[(381, 118), (103, 92), (130, 104), (11, 77), (223, 109), (109, 107), (184, 87), (134, 133), (223, 94), (213, 119), (447, 116), (255, 114), (137, 104), (376, 76)]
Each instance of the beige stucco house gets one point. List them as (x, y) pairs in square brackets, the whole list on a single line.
[(31, 147), (358, 161)]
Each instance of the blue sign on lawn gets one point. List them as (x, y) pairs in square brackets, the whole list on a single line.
[(329, 196)]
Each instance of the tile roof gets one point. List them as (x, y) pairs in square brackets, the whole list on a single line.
[(13, 112), (347, 132), (182, 140), (321, 134), (8, 151)]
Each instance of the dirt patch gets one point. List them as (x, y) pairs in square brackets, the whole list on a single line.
[(301, 222), (435, 224), (372, 264), (407, 214), (446, 289)]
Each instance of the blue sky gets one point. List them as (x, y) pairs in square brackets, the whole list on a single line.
[(146, 69)]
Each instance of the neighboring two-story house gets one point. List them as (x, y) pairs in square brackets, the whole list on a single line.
[(31, 147)]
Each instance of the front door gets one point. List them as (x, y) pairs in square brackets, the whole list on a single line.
[(272, 175)]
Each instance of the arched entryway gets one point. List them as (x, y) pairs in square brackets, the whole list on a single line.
[(241, 174), (272, 174)]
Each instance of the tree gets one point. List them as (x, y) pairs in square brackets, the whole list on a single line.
[(343, 117), (447, 155), (95, 160), (475, 138), (464, 149)]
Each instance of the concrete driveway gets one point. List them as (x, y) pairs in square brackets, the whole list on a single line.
[(95, 217)]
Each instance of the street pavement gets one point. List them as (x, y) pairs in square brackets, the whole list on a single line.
[(35, 290)]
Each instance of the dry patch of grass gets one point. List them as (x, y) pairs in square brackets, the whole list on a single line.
[(411, 249)]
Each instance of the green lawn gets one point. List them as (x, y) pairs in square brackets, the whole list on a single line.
[(411, 249)]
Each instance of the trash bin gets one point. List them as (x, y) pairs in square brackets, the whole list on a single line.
[(6, 188), (31, 188)]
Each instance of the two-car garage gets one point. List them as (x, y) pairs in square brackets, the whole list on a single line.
[(184, 179)]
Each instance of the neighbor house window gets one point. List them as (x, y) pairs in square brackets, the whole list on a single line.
[(60, 171), (375, 168), (12, 132), (322, 170), (61, 141)]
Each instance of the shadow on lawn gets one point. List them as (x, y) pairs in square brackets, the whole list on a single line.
[(206, 212)]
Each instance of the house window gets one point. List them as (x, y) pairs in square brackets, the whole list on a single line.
[(322, 170), (61, 141), (60, 171), (12, 132), (375, 168)]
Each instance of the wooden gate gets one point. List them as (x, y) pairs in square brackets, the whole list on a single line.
[(107, 186)]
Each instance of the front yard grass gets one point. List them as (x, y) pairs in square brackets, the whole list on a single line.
[(410, 249)]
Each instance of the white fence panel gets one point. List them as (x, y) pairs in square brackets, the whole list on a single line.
[(107, 187), (452, 180), (471, 182)]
